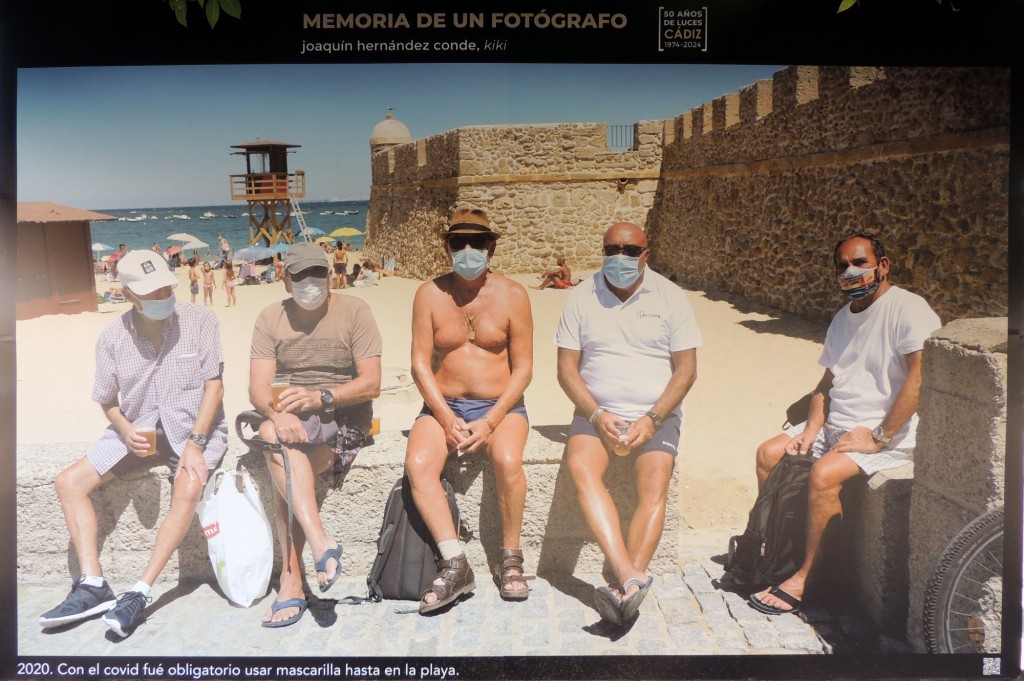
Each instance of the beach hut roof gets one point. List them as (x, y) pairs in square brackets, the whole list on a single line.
[(43, 212)]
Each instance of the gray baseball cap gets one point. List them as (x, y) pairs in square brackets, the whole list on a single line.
[(304, 255)]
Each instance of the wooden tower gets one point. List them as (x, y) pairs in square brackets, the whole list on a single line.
[(269, 190)]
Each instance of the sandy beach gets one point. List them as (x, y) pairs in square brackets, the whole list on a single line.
[(753, 364)]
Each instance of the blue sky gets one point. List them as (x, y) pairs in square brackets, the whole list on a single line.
[(137, 137)]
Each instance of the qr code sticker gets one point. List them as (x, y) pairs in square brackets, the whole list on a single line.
[(990, 666)]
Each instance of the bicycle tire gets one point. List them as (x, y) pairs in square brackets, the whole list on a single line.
[(963, 601)]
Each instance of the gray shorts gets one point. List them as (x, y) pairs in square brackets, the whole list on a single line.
[(867, 462), (665, 438)]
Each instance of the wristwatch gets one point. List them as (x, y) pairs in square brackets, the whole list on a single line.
[(878, 435), (657, 420), (327, 400), (199, 439)]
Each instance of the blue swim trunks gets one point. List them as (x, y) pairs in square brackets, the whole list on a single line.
[(471, 410)]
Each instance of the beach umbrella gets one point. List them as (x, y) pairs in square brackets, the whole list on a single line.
[(101, 247), (325, 240), (313, 231), (281, 247), (172, 250), (194, 245), (182, 236), (253, 253), (346, 231)]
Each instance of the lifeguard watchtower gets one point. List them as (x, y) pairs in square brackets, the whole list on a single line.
[(270, 191)]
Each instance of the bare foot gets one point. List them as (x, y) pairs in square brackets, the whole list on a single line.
[(794, 586), (285, 592)]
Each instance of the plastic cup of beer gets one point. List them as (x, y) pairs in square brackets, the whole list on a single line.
[(621, 449), (278, 385), (149, 432), (375, 424)]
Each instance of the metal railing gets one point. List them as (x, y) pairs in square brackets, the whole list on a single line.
[(622, 137), (256, 186)]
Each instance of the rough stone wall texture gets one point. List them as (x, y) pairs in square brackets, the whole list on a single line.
[(917, 155), (959, 461), (548, 189)]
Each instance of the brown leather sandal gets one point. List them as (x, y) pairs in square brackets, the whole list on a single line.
[(509, 571), (457, 578)]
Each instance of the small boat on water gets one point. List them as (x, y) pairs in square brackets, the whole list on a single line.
[(207, 215), (348, 212), (181, 216)]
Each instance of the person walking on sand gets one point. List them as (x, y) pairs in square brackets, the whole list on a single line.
[(140, 385), (230, 282), (329, 346), (193, 279), (627, 356), (472, 359), (208, 284), (863, 413)]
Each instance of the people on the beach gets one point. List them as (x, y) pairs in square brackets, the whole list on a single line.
[(230, 282), (328, 346), (862, 416), (627, 357), (208, 284), (339, 279), (224, 255), (560, 277), (193, 279), (472, 359), (158, 381), (368, 275)]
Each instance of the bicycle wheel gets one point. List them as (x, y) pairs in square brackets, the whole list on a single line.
[(963, 603)]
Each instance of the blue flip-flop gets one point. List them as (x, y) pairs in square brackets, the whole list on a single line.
[(299, 603), (321, 566)]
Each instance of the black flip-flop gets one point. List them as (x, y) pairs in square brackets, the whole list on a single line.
[(607, 605), (794, 603), (630, 605)]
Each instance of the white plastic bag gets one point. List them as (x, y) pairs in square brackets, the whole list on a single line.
[(240, 542)]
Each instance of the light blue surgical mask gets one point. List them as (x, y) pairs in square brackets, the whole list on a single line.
[(621, 271), (469, 263), (160, 309)]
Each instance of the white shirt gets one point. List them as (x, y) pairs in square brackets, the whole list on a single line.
[(626, 346), (865, 352)]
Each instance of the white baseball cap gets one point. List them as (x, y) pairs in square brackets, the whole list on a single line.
[(144, 271)]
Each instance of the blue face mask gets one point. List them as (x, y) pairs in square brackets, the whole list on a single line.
[(158, 310), (621, 271), (469, 263)]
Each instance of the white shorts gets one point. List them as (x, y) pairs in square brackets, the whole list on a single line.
[(868, 462)]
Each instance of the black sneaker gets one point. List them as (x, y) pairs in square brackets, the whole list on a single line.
[(82, 601), (123, 617)]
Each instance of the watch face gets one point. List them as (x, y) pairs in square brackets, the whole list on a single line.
[(326, 397)]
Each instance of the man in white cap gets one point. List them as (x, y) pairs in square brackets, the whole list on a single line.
[(158, 368), (329, 346)]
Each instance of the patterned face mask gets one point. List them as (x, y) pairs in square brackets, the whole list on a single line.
[(857, 282)]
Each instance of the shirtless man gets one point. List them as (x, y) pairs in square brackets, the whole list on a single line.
[(208, 284), (340, 280), (472, 358), (560, 277), (193, 279)]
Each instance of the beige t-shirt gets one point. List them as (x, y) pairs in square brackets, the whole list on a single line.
[(324, 356)]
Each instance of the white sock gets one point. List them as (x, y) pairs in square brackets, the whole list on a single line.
[(449, 548), (141, 587), (89, 580)]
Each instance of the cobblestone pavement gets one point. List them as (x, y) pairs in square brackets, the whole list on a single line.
[(685, 614)]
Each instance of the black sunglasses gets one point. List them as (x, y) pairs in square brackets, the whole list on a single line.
[(629, 249), (477, 242), (315, 272)]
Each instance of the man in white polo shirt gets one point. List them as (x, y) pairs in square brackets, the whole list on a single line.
[(627, 355)]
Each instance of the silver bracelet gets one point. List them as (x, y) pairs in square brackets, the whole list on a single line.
[(597, 412)]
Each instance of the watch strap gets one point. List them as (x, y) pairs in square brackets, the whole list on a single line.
[(199, 439), (657, 420)]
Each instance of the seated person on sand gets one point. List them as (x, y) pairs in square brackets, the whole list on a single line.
[(329, 346), (368, 275), (863, 414), (560, 277), (472, 358)]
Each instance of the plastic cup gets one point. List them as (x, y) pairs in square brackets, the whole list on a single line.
[(621, 449), (278, 385), (375, 424), (150, 434)]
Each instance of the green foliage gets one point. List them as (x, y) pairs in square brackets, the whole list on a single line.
[(213, 8), (845, 5)]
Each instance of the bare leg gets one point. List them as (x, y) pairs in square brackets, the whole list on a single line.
[(827, 478), (74, 485), (653, 473), (506, 450), (184, 498), (587, 461), (768, 456)]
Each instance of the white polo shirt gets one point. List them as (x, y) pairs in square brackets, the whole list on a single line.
[(626, 346)]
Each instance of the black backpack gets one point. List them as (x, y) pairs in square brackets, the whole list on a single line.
[(772, 547), (406, 561)]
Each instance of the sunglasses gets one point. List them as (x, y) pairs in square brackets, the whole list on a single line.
[(315, 272), (629, 249), (477, 242)]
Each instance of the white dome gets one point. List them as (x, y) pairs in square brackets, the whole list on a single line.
[(390, 131)]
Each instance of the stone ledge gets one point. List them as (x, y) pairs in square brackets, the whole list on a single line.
[(555, 538)]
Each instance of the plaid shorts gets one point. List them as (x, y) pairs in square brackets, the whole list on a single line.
[(868, 462)]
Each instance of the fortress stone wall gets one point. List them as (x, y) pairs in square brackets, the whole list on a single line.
[(746, 194), (548, 188)]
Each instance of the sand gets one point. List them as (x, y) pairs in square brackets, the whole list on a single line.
[(753, 364)]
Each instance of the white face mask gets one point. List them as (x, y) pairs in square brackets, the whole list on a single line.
[(310, 293), (158, 309)]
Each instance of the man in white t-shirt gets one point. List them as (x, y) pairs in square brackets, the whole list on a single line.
[(862, 418), (627, 356)]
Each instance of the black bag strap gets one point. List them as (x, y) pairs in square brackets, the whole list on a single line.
[(253, 419)]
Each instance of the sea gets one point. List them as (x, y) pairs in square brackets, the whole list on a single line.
[(142, 227)]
